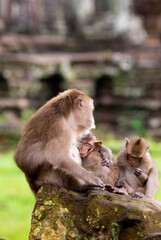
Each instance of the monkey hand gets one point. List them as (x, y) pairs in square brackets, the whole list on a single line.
[(137, 195), (96, 183), (106, 162), (120, 184), (100, 186), (137, 172)]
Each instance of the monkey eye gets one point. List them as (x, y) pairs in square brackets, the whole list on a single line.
[(87, 144), (131, 156), (140, 159)]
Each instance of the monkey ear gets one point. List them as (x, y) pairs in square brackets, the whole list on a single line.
[(98, 144), (80, 103), (126, 142)]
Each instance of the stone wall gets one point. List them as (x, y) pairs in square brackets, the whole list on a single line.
[(125, 85), (150, 11), (120, 70)]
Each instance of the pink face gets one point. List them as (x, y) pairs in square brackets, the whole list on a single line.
[(133, 161), (84, 149)]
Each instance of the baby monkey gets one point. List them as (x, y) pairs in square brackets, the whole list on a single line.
[(138, 173), (99, 160)]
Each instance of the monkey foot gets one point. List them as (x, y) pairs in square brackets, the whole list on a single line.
[(137, 195), (96, 188), (120, 185), (120, 191)]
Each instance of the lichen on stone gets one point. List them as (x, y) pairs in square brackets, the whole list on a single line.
[(49, 203), (115, 230), (66, 215)]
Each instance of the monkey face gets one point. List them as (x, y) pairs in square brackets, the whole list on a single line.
[(89, 107), (133, 161), (85, 148), (84, 113)]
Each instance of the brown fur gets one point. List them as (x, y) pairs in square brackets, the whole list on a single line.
[(137, 147), (92, 163), (92, 153), (43, 152), (146, 182)]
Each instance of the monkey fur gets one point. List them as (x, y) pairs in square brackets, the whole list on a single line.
[(138, 173), (47, 151), (99, 160)]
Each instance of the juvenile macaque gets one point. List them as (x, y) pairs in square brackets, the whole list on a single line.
[(47, 152), (88, 141), (99, 160), (138, 173)]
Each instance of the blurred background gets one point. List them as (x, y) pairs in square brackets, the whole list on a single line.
[(110, 49)]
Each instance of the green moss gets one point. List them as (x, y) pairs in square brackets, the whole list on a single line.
[(115, 209), (49, 203), (64, 210), (66, 218), (135, 213), (73, 235), (42, 208), (140, 234), (39, 212), (65, 232), (115, 231), (98, 227), (40, 190), (98, 212), (36, 231)]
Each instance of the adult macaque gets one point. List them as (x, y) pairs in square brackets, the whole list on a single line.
[(47, 152), (99, 160), (138, 173)]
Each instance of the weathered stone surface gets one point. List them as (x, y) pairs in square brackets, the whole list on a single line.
[(60, 214), (149, 10), (91, 48)]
